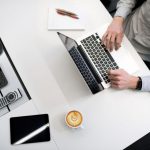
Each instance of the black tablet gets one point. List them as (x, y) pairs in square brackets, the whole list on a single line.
[(29, 129)]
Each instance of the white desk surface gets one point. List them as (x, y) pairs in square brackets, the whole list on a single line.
[(112, 119)]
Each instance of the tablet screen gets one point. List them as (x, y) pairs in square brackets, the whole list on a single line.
[(29, 129)]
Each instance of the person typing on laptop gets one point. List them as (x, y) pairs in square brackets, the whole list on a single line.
[(136, 25)]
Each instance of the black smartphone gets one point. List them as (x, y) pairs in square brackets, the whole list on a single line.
[(3, 80), (29, 129)]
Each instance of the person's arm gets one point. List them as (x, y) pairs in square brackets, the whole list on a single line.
[(114, 34), (120, 79), (124, 8)]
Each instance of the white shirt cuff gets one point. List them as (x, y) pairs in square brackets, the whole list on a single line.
[(145, 83), (123, 12)]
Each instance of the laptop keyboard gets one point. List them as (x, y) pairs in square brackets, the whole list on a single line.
[(99, 55), (85, 71)]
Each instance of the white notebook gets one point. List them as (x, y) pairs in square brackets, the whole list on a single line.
[(60, 22)]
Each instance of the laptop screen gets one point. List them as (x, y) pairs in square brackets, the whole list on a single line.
[(68, 42)]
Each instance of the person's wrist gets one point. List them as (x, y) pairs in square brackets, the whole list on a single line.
[(133, 82), (119, 20)]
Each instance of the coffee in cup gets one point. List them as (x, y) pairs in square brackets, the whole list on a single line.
[(74, 119)]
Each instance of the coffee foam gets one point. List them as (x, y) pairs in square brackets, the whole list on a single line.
[(74, 119)]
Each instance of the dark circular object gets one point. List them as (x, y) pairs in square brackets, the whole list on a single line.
[(11, 96)]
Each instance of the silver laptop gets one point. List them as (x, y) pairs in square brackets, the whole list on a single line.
[(94, 60)]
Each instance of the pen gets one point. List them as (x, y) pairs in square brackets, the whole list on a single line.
[(67, 13), (72, 16)]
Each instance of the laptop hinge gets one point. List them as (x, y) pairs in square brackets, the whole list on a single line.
[(97, 77)]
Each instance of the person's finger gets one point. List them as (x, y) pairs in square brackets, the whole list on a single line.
[(104, 38), (108, 37), (105, 34), (112, 41), (115, 86), (118, 41), (114, 78), (114, 72)]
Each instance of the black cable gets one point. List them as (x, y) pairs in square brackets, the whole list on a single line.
[(8, 108), (1, 93)]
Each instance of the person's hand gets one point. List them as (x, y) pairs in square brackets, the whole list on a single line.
[(120, 79), (112, 38)]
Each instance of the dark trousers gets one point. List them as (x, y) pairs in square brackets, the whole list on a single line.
[(147, 64)]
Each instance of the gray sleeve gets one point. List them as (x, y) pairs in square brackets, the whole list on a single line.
[(145, 83), (124, 8)]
